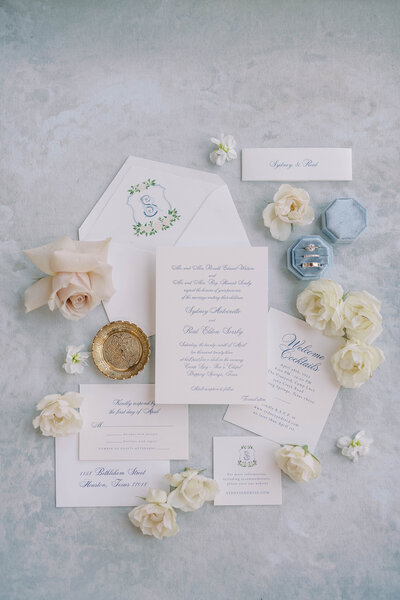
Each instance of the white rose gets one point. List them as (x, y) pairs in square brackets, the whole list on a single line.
[(355, 362), (298, 463), (156, 517), (79, 277), (58, 416), (290, 206), (362, 317), (321, 305), (191, 489)]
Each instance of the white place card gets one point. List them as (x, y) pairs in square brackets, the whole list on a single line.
[(98, 483), (297, 164), (211, 325), (246, 471), (121, 422), (302, 386)]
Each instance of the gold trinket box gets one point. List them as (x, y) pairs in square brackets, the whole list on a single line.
[(120, 350)]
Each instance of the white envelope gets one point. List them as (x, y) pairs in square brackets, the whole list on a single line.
[(150, 204)]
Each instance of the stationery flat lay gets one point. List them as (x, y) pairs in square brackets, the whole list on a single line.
[(154, 252)]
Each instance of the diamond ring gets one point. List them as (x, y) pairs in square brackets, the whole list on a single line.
[(311, 264)]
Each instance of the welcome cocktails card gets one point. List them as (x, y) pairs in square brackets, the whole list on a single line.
[(301, 384)]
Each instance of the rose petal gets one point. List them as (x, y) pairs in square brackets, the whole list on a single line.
[(308, 217), (269, 214), (41, 256), (49, 399), (102, 282), (37, 294), (82, 257), (280, 230)]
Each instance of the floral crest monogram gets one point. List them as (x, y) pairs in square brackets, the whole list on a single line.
[(247, 456), (151, 210)]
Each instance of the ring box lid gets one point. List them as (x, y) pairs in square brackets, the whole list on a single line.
[(343, 220)]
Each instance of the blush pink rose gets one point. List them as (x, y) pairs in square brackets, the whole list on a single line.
[(79, 277)]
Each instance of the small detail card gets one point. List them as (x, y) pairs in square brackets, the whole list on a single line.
[(121, 422), (297, 164), (98, 483), (301, 384), (246, 471), (211, 325)]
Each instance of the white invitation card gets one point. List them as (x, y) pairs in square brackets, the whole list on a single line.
[(246, 471), (98, 483), (211, 325), (121, 422), (297, 164), (301, 384)]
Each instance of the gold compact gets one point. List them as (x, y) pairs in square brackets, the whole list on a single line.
[(120, 350)]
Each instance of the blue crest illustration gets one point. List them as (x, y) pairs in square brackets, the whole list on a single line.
[(247, 456), (151, 210)]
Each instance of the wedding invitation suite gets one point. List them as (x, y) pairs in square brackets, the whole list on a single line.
[(246, 471), (150, 204), (297, 164), (121, 422), (211, 323), (301, 384), (98, 483)]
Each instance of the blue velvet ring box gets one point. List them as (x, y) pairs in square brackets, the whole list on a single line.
[(299, 258), (343, 220)]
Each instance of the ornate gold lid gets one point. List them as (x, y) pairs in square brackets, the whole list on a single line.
[(120, 350)]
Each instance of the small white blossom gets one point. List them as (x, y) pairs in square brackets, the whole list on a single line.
[(225, 151), (354, 447), (75, 360)]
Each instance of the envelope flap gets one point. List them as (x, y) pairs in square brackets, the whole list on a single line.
[(216, 223), (131, 163)]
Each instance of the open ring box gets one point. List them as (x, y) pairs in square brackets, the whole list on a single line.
[(309, 257)]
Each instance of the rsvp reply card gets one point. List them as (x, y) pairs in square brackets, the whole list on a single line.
[(246, 471), (297, 164), (99, 483), (121, 422), (211, 325), (301, 384)]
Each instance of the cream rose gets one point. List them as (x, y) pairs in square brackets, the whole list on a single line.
[(291, 206), (79, 277), (156, 517), (355, 362), (298, 463), (58, 416), (321, 305), (362, 317), (191, 489)]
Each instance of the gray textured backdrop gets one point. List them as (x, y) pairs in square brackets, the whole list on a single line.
[(85, 84)]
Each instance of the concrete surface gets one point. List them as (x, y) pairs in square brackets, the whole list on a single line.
[(85, 84)]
